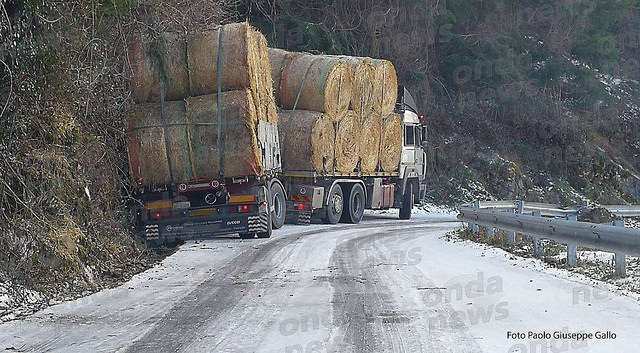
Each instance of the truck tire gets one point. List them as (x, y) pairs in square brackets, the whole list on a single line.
[(354, 205), (407, 202), (279, 207), (335, 206), (269, 231)]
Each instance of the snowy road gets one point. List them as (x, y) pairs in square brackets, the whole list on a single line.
[(382, 286)]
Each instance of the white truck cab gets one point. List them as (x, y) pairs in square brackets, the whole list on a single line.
[(413, 161)]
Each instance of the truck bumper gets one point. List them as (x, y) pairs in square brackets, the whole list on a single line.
[(176, 229)]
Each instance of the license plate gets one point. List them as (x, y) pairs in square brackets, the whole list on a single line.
[(202, 212)]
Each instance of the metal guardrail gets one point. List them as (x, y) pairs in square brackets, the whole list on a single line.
[(534, 219), (600, 236), (550, 210), (624, 210)]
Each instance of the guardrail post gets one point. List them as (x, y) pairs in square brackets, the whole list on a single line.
[(620, 268), (572, 249), (491, 231), (511, 236), (537, 241), (474, 227), (520, 207)]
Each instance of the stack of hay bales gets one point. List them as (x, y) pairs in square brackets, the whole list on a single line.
[(381, 134), (314, 92), (182, 143), (367, 133)]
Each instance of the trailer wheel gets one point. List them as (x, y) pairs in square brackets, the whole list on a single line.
[(354, 205), (279, 208), (335, 206), (407, 202), (269, 231)]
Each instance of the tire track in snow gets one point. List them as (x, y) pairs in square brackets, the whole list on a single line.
[(367, 315)]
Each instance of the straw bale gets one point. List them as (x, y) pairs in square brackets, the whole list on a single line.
[(278, 59), (324, 83), (347, 143), (245, 64), (307, 141), (370, 130), (148, 157), (163, 58), (192, 137), (385, 90), (363, 84), (141, 78), (268, 108), (238, 55), (241, 154), (391, 143)]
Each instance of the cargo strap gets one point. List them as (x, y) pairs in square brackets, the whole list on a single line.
[(340, 90), (189, 124), (163, 114), (384, 79), (219, 68), (304, 81), (362, 99), (190, 146)]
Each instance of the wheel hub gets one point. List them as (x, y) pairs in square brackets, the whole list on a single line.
[(337, 204)]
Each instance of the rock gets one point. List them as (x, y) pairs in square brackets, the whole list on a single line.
[(595, 214)]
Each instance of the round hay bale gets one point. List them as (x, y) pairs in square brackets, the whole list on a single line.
[(192, 137), (385, 89), (370, 130), (391, 143), (163, 58), (238, 59), (241, 154), (324, 84), (306, 141), (148, 155), (268, 106), (347, 143), (278, 59), (141, 69), (363, 83), (245, 64)]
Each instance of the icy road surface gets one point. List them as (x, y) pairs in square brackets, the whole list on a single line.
[(381, 286)]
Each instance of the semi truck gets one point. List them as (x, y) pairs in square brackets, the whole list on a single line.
[(255, 205)]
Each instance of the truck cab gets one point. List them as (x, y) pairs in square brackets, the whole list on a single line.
[(413, 161)]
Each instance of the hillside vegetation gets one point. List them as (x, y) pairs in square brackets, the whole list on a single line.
[(64, 179)]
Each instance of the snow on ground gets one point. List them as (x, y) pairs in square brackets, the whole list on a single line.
[(443, 294), (424, 209), (17, 301), (497, 293)]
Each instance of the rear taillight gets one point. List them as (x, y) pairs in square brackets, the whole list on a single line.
[(159, 215), (302, 206), (243, 208)]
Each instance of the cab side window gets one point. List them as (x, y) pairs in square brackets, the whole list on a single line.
[(409, 136)]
